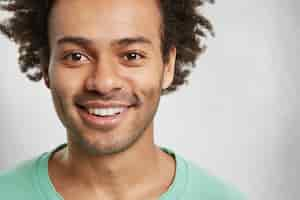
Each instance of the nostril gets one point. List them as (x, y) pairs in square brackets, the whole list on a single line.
[(104, 84), (80, 106)]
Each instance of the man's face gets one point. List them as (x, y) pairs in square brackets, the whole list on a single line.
[(106, 70)]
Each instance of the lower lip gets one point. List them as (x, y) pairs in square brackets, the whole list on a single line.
[(102, 122)]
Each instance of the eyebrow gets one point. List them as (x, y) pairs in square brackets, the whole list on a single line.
[(85, 42), (131, 40), (80, 41)]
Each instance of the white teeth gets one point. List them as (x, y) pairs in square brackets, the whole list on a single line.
[(105, 111)]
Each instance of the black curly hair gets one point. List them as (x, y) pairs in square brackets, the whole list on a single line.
[(183, 26)]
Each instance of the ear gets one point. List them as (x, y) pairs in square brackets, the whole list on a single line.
[(46, 75), (169, 69), (44, 63)]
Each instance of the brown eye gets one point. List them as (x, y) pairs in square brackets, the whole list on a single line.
[(133, 56), (75, 57)]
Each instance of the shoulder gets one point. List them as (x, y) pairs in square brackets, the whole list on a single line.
[(200, 183), (18, 182)]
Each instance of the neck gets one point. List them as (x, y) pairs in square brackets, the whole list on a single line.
[(115, 169), (142, 164)]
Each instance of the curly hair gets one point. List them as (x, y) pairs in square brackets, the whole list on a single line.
[(183, 26)]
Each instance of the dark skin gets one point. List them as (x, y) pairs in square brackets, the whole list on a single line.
[(108, 52)]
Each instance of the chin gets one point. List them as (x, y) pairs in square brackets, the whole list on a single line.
[(105, 143)]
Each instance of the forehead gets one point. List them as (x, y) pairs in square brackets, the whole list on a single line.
[(105, 20)]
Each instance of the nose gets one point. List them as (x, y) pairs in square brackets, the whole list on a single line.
[(104, 77)]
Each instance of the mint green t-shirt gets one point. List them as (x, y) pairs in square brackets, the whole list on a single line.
[(30, 181)]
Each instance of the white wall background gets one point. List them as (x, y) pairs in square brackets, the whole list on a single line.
[(239, 116)]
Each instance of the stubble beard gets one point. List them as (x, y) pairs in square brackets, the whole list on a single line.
[(95, 149), (77, 136)]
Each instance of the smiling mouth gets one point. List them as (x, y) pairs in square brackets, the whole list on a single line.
[(105, 117), (105, 112)]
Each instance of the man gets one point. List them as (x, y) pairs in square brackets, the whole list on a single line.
[(106, 64)]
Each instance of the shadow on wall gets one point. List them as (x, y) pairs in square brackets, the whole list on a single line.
[(291, 143), (10, 145), (290, 164)]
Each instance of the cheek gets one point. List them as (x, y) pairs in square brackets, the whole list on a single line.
[(64, 82), (59, 90), (147, 83), (63, 86)]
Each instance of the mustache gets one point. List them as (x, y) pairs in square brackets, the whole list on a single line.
[(118, 96)]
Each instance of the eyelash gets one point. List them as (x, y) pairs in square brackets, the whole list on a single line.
[(136, 54), (68, 57)]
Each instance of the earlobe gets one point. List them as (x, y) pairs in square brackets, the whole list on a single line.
[(46, 81), (169, 69), (46, 77)]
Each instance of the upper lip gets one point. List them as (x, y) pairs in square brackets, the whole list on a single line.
[(101, 104)]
